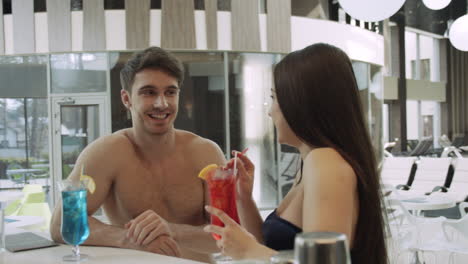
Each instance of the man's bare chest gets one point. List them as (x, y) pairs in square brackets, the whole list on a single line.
[(175, 193)]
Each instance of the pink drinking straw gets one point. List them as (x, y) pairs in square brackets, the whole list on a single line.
[(235, 163), (235, 159)]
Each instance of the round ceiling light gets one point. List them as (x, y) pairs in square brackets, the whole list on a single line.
[(436, 4), (458, 33), (371, 10)]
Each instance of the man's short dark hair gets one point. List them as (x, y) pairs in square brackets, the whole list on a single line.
[(151, 58)]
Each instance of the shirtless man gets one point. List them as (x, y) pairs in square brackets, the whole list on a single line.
[(146, 176)]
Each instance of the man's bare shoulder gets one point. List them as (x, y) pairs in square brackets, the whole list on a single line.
[(204, 150), (114, 144)]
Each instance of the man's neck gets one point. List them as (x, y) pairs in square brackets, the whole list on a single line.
[(154, 145)]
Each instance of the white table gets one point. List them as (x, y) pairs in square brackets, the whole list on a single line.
[(97, 255), (20, 222), (10, 196), (427, 202)]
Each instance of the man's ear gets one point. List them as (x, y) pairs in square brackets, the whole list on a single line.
[(125, 96)]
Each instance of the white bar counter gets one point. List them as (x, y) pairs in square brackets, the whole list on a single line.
[(97, 255)]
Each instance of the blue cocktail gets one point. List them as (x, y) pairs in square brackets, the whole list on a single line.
[(75, 229)]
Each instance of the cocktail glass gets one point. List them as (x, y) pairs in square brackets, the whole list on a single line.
[(222, 188), (75, 229)]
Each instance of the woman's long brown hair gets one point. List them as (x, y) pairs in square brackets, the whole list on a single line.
[(319, 98)]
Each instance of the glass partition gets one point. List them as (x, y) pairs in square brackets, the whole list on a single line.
[(201, 102), (23, 76), (250, 83), (78, 72)]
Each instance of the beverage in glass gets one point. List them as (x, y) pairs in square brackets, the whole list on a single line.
[(75, 229), (222, 188)]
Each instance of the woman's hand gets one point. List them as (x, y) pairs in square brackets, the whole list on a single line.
[(245, 175), (235, 241)]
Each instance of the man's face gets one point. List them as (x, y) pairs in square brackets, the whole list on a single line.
[(154, 101)]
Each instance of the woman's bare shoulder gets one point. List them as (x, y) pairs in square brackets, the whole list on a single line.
[(327, 161)]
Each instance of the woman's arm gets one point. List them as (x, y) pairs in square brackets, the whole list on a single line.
[(248, 212), (250, 218), (330, 193)]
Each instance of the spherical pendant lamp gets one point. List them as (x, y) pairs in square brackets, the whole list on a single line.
[(458, 33), (436, 4), (371, 10)]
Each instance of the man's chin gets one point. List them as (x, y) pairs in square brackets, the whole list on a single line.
[(159, 131)]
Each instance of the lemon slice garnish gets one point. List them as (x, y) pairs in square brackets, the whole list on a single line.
[(204, 172), (90, 184)]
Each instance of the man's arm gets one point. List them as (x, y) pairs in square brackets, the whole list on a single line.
[(91, 159), (97, 163)]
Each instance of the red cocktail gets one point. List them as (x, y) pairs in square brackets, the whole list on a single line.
[(222, 188)]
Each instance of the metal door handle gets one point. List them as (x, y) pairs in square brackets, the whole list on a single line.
[(67, 101)]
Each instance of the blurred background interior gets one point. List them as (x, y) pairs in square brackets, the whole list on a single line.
[(60, 63)]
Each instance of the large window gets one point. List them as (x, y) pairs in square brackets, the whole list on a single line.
[(24, 144), (24, 121)]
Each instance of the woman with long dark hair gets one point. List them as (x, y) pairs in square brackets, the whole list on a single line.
[(316, 108)]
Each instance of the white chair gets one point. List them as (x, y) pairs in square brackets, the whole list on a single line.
[(431, 173), (456, 233), (462, 207), (396, 170), (406, 232), (459, 185)]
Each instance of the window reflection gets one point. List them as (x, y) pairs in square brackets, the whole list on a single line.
[(78, 72), (250, 82)]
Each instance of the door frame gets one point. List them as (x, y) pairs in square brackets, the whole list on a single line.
[(56, 102)]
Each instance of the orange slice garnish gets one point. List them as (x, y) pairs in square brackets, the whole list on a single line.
[(205, 171)]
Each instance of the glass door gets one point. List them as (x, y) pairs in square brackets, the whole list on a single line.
[(77, 121)]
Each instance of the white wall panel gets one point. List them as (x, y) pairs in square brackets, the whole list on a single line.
[(77, 30), (200, 30), (94, 28), (224, 30), (59, 25), (115, 30), (2, 34), (262, 20), (358, 43), (155, 27), (23, 26), (42, 36), (8, 30)]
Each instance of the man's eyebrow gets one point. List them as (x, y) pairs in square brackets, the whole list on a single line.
[(146, 87)]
